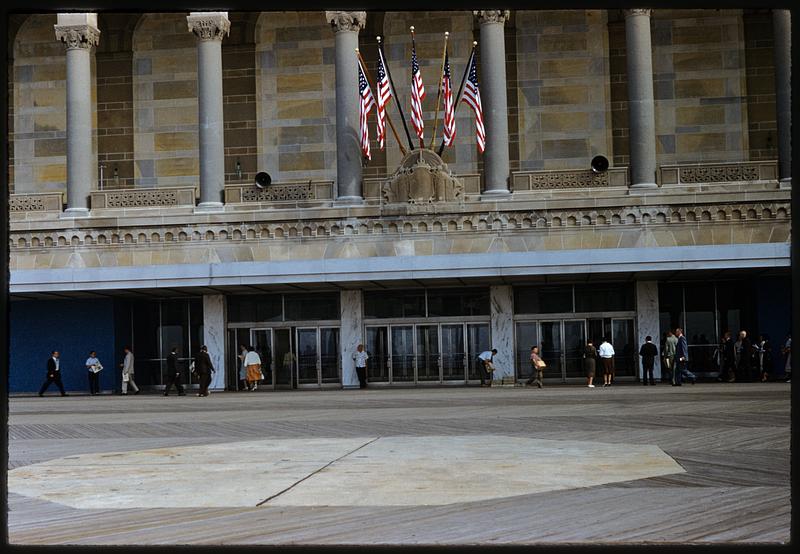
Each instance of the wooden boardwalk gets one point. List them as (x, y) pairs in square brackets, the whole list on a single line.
[(732, 440)]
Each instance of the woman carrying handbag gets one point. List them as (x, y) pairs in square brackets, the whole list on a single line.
[(537, 368)]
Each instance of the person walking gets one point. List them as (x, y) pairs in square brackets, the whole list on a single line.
[(606, 352), (590, 363), (787, 353), (128, 371), (537, 368), (648, 352), (242, 384), (744, 358), (53, 374), (360, 358), (173, 373), (762, 357), (204, 369), (727, 359), (681, 359), (670, 345), (252, 365), (93, 368), (486, 358)]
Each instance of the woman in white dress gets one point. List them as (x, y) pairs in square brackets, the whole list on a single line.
[(252, 363)]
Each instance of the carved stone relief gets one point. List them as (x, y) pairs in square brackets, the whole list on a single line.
[(422, 178)]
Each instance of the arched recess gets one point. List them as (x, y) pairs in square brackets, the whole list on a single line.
[(296, 95), (165, 102), (39, 108)]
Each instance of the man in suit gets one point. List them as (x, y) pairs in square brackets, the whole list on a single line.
[(204, 368), (53, 374), (173, 373), (681, 358), (648, 352), (744, 354), (127, 372)]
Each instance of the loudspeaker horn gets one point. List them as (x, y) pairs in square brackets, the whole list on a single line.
[(263, 179), (599, 164)]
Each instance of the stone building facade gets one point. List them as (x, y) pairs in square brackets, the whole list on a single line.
[(135, 139)]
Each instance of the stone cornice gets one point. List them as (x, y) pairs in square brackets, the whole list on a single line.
[(638, 11), (77, 36), (492, 16), (209, 26), (346, 21)]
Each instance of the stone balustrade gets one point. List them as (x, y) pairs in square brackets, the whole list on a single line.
[(294, 193), (731, 172), (144, 198), (568, 179), (36, 202)]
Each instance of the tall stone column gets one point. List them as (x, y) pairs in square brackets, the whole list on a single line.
[(641, 110), (501, 301), (78, 32), (494, 101), (647, 322), (348, 144), (210, 28), (782, 31), (214, 332), (352, 319)]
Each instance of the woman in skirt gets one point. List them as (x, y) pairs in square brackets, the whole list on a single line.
[(252, 363)]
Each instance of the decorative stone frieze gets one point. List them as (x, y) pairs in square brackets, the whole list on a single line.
[(719, 173), (422, 178), (492, 16), (280, 192), (210, 25), (77, 36), (346, 21), (144, 198), (36, 202)]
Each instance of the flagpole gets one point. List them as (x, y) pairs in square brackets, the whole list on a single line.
[(460, 90), (394, 92), (388, 118), (439, 92), (414, 49)]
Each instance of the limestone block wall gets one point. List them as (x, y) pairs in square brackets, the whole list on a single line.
[(760, 70), (563, 93), (165, 102), (699, 86), (463, 155), (39, 96), (295, 91)]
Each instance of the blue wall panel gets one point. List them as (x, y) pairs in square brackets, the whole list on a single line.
[(773, 301), (73, 327)]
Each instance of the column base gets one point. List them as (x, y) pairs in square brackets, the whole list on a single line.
[(71, 213), (496, 194), (349, 201), (785, 183), (641, 187), (206, 207)]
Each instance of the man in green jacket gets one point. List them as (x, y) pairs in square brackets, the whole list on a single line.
[(669, 355)]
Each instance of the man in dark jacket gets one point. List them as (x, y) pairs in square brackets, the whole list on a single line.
[(204, 369), (53, 374), (744, 358), (727, 358), (681, 357), (173, 373), (648, 352)]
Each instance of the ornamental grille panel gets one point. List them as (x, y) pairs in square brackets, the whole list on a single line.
[(139, 199), (300, 191), (567, 179), (719, 174), (26, 204)]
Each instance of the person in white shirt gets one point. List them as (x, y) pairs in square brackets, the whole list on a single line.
[(93, 367), (360, 358), (252, 363), (486, 359), (606, 353)]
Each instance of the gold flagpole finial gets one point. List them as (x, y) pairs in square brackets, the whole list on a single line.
[(474, 43)]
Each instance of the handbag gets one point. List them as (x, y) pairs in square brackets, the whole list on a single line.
[(126, 377), (540, 364)]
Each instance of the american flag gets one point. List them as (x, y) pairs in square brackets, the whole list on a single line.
[(472, 97), (449, 108), (367, 103), (384, 95), (417, 94)]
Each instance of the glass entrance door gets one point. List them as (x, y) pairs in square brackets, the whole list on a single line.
[(378, 352), (330, 361), (478, 341), (428, 353), (453, 354), (261, 339), (402, 368), (551, 349), (284, 359), (307, 356), (574, 343)]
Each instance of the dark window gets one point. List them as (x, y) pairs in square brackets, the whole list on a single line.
[(670, 308), (604, 298), (255, 307), (458, 302), (304, 307), (174, 327), (700, 317), (404, 303), (543, 300)]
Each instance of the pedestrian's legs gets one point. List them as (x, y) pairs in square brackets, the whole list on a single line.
[(59, 384), (532, 378), (178, 385), (94, 382), (45, 385), (677, 377), (133, 385), (539, 381), (170, 381), (362, 376)]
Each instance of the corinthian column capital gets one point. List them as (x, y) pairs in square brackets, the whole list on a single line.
[(77, 30), (492, 16), (209, 25), (638, 11), (346, 21)]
